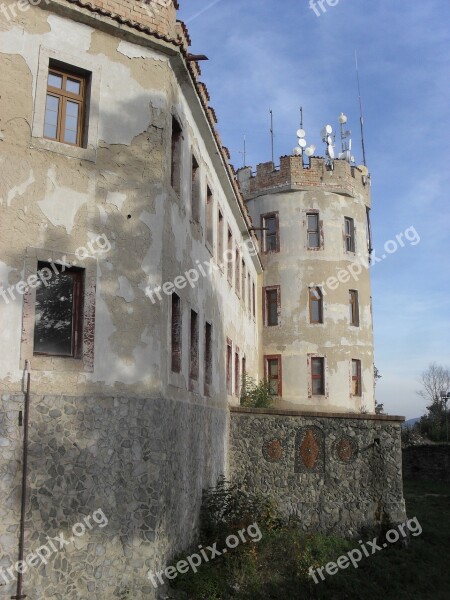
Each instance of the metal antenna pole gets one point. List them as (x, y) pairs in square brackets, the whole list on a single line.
[(361, 118), (271, 132)]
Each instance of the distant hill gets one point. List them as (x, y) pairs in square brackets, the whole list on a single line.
[(410, 422)]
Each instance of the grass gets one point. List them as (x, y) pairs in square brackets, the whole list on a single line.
[(276, 568)]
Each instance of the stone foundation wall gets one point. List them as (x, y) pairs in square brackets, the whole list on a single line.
[(427, 463), (143, 463), (336, 472)]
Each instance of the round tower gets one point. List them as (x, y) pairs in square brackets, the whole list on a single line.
[(316, 321)]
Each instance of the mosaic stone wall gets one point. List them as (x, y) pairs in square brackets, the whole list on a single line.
[(336, 473), (144, 463)]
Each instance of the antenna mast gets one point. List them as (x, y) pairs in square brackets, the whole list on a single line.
[(244, 153), (361, 118), (271, 132)]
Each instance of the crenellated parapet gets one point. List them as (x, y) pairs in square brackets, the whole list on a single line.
[(343, 178)]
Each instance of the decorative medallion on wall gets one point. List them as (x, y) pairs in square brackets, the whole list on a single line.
[(310, 450), (346, 449), (273, 450)]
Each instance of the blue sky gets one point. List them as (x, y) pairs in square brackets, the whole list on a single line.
[(278, 54)]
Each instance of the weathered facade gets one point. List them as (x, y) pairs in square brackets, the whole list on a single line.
[(132, 291)]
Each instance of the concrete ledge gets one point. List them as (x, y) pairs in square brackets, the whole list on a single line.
[(302, 413)]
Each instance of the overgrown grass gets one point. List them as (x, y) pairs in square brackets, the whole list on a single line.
[(276, 568)]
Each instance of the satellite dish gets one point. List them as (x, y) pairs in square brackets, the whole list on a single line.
[(341, 155), (297, 151), (328, 129), (302, 143), (301, 133), (310, 150), (364, 170), (330, 151)]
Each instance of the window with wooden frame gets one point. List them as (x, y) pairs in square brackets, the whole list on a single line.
[(195, 189), (315, 305), (237, 273), (272, 371), (243, 281), (229, 367), (229, 256), (65, 106), (271, 234), (176, 333), (237, 376), (271, 306), (349, 234), (356, 378), (208, 358), (318, 376), (176, 154), (58, 327), (244, 371), (354, 308), (249, 291), (220, 234), (209, 218), (313, 230), (253, 299), (193, 346)]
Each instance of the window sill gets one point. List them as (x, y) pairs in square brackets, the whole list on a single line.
[(56, 363), (77, 152)]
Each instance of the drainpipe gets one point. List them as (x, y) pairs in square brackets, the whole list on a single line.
[(26, 412)]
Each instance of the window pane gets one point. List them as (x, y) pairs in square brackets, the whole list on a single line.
[(51, 117), (54, 315), (315, 310), (312, 223), (313, 240), (317, 387), (73, 86), (273, 384), (271, 225), (55, 80), (316, 366), (71, 126), (273, 368), (355, 368)]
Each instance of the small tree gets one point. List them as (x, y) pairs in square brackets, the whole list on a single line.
[(435, 381), (254, 394), (379, 408)]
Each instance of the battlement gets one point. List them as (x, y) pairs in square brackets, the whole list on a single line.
[(293, 175)]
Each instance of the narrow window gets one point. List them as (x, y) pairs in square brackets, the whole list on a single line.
[(369, 231), (244, 371), (271, 242), (254, 299), (273, 374), (356, 378), (229, 257), (271, 305), (209, 218), (58, 329), (354, 308), (349, 234), (176, 334), (237, 273), (65, 107), (318, 376), (193, 346), (237, 376), (175, 160), (313, 231), (220, 232), (195, 190), (208, 357), (244, 279), (315, 305), (249, 290), (229, 367)]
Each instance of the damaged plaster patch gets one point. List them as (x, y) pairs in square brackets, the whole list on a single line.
[(125, 289), (134, 51), (116, 199), (16, 179), (61, 204), (151, 265)]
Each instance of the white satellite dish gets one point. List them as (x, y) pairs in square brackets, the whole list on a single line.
[(297, 151), (302, 143), (330, 151), (310, 150), (301, 133), (328, 129), (364, 170)]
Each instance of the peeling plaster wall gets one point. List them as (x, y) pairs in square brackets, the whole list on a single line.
[(296, 267)]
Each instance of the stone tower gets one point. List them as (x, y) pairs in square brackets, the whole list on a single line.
[(316, 325)]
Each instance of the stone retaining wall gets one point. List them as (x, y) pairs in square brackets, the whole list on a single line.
[(144, 463), (336, 472)]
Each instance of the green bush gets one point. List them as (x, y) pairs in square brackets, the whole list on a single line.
[(256, 395)]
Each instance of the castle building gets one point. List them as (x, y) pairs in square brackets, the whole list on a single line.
[(136, 290)]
